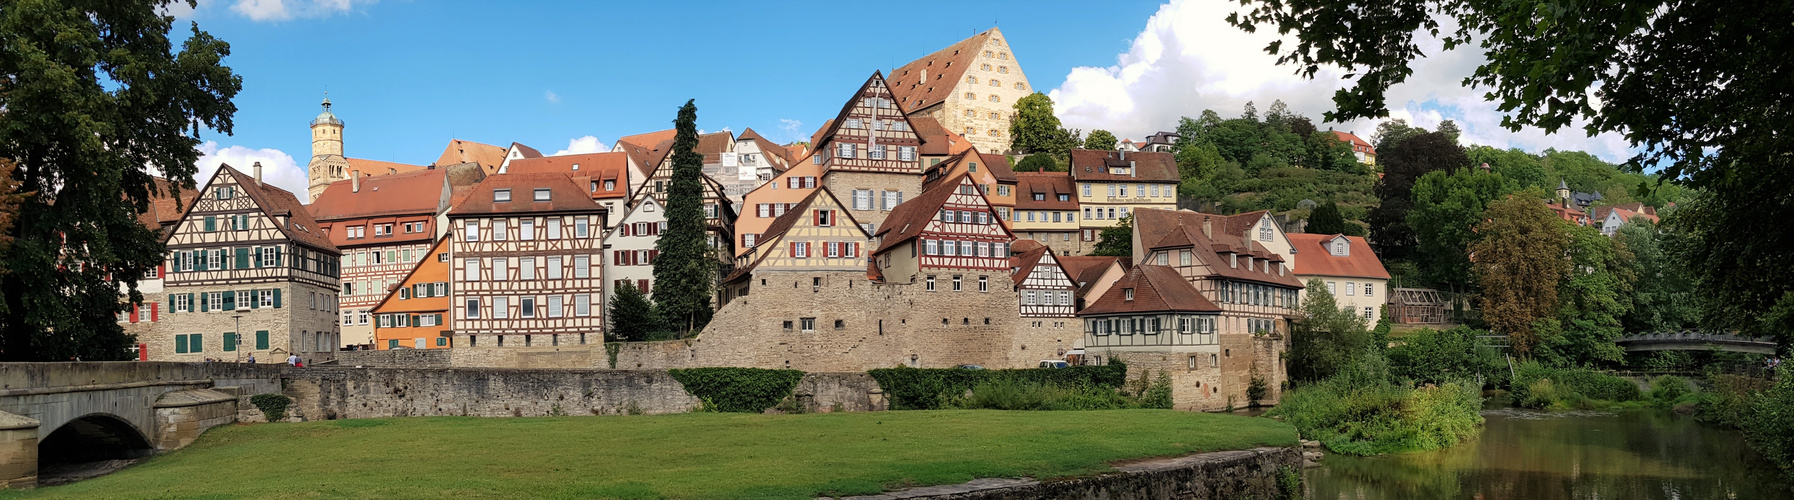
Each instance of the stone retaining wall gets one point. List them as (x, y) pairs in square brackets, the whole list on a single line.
[(1222, 475)]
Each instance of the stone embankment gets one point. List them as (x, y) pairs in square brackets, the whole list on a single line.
[(1205, 476)]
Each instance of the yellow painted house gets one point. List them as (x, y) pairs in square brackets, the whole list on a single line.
[(816, 235)]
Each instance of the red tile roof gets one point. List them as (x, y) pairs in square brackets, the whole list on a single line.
[(564, 196), (1050, 184), (166, 206), (583, 168), (1076, 265), (528, 152), (1627, 212), (1177, 229), (1155, 289), (276, 202), (649, 139), (999, 167), (766, 145), (944, 69), (1094, 165), (411, 193), (936, 140), (1314, 259), (1354, 140), (459, 151), (912, 216), (1027, 257)]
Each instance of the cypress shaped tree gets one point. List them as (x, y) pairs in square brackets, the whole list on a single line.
[(685, 271)]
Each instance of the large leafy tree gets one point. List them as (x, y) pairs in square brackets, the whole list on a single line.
[(1100, 139), (1391, 132), (1116, 240), (1519, 261), (1033, 128), (1447, 207), (1594, 296), (1327, 336), (685, 271), (1404, 163), (1700, 87), (1663, 297), (632, 317), (93, 98), (1326, 219)]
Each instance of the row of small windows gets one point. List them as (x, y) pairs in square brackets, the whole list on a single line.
[(389, 256), (1000, 69), (527, 229), (504, 194), (1140, 190), (526, 268), (957, 282), (499, 307), (951, 248), (848, 150), (896, 125), (195, 342), (992, 132), (998, 55), (1201, 325), (1370, 289), (994, 115), (973, 96), (381, 230)]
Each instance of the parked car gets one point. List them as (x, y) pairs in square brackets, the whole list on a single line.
[(1054, 363), (969, 367)]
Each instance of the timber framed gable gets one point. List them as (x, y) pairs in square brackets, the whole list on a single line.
[(233, 235), (871, 134)]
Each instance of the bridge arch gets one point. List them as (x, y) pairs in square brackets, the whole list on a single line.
[(91, 438)]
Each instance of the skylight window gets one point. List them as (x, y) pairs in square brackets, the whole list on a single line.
[(541, 194), (501, 195)]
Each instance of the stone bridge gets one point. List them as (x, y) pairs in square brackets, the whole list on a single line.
[(1695, 341), (67, 413)]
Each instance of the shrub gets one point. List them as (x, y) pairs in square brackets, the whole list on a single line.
[(1017, 394), (274, 406), (936, 388), (1666, 390), (1569, 387), (1256, 390), (1434, 356), (741, 390), (1158, 393), (1769, 424), (1361, 412)]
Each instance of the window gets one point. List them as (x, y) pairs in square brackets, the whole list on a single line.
[(1003, 69), (956, 280), (1183, 257), (807, 324), (971, 96), (932, 247), (554, 268), (930, 283), (892, 199), (906, 153), (875, 152), (501, 307), (949, 248), (1351, 288), (1019, 86), (471, 269), (582, 266), (846, 150), (984, 283), (995, 98), (1264, 231), (1332, 288), (581, 227), (499, 230), (526, 268), (472, 231), (825, 218), (748, 240), (526, 230), (541, 194), (212, 260), (862, 200), (527, 307), (800, 249), (582, 305), (1367, 313), (473, 308), (554, 306), (501, 195), (1369, 290)]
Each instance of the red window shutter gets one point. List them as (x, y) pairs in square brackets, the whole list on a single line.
[(816, 217), (624, 228), (645, 285), (143, 352), (653, 254), (856, 249), (159, 271), (133, 313), (616, 256), (155, 313), (793, 250)]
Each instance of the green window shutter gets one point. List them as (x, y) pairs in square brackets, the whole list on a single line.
[(279, 260), (204, 304), (392, 343), (242, 258), (261, 339), (277, 298), (230, 300), (199, 260), (180, 344), (211, 224), (255, 257), (230, 341), (441, 341), (439, 319), (171, 303), (255, 299), (195, 344), (190, 306)]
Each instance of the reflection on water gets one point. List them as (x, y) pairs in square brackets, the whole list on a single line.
[(1534, 455)]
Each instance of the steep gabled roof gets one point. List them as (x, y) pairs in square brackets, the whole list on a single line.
[(1314, 259), (816, 138), (1155, 289), (944, 69), (276, 202), (167, 204), (1239, 224), (784, 223), (435, 248), (409, 193), (936, 139), (564, 196), (910, 217), (829, 128), (528, 152), (1212, 250), (648, 140), (1354, 140), (584, 168), (460, 151), (1027, 256), (766, 146), (999, 167), (1095, 165)]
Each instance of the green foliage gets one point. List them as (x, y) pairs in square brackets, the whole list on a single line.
[(1404, 163), (1101, 140), (1763, 409), (1289, 483), (1360, 411), (1034, 128), (1519, 263), (1447, 208), (96, 100), (1663, 298), (1326, 220), (1434, 356), (1390, 132), (633, 318), (1116, 240), (746, 390), (1039, 162), (1593, 301), (1199, 161), (1326, 337), (685, 271), (272, 405), (1003, 393), (1158, 393), (1538, 386), (935, 388), (1668, 390), (1256, 390), (1518, 169)]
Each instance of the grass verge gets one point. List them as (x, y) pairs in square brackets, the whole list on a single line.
[(698, 455)]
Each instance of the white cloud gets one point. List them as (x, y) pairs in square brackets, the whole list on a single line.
[(180, 9), (281, 10), (794, 130), (552, 97), (583, 145), (278, 168), (1188, 59)]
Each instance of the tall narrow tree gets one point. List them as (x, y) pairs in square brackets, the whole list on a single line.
[(685, 271), (1520, 260), (93, 96)]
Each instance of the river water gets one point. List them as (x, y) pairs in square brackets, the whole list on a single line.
[(1532, 455)]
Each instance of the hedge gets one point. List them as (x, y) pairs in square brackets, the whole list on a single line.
[(935, 388), (740, 390)]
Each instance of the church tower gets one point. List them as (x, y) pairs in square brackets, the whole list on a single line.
[(327, 162)]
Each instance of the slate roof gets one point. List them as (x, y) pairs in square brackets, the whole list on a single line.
[(564, 196), (1051, 184), (1093, 165), (1156, 289), (275, 202), (1314, 259), (417, 192), (945, 69)]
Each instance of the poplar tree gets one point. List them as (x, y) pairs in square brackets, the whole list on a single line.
[(93, 97), (685, 271)]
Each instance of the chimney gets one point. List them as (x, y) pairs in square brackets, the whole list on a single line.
[(258, 173), (1208, 228), (354, 181)]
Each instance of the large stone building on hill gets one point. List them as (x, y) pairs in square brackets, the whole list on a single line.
[(970, 87)]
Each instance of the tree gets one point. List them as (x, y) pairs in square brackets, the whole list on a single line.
[(1594, 298), (1719, 125), (1033, 128), (1663, 297), (1198, 160), (1519, 261), (94, 97), (632, 317), (1403, 164), (1391, 132), (1116, 240), (1326, 220), (1326, 337), (1100, 139), (1447, 207), (1519, 169), (685, 271), (1038, 162)]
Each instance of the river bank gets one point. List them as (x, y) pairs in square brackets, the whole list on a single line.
[(1564, 455)]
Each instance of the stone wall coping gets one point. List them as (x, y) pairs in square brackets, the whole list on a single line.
[(33, 391), (195, 397), (10, 422)]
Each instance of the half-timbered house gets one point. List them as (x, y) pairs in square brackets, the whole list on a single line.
[(766, 203), (630, 248), (525, 261), (990, 172), (384, 225), (719, 211), (249, 272), (946, 238), (869, 154), (1046, 211), (817, 239), (1045, 287), (604, 175), (415, 314)]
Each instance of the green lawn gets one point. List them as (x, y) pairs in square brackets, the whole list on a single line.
[(697, 455)]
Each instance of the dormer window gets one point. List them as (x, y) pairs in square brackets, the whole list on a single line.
[(1233, 260), (1341, 248), (610, 185), (1127, 294), (1042, 197), (501, 195), (541, 194), (576, 167)]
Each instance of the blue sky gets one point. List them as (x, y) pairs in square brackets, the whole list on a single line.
[(407, 76)]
